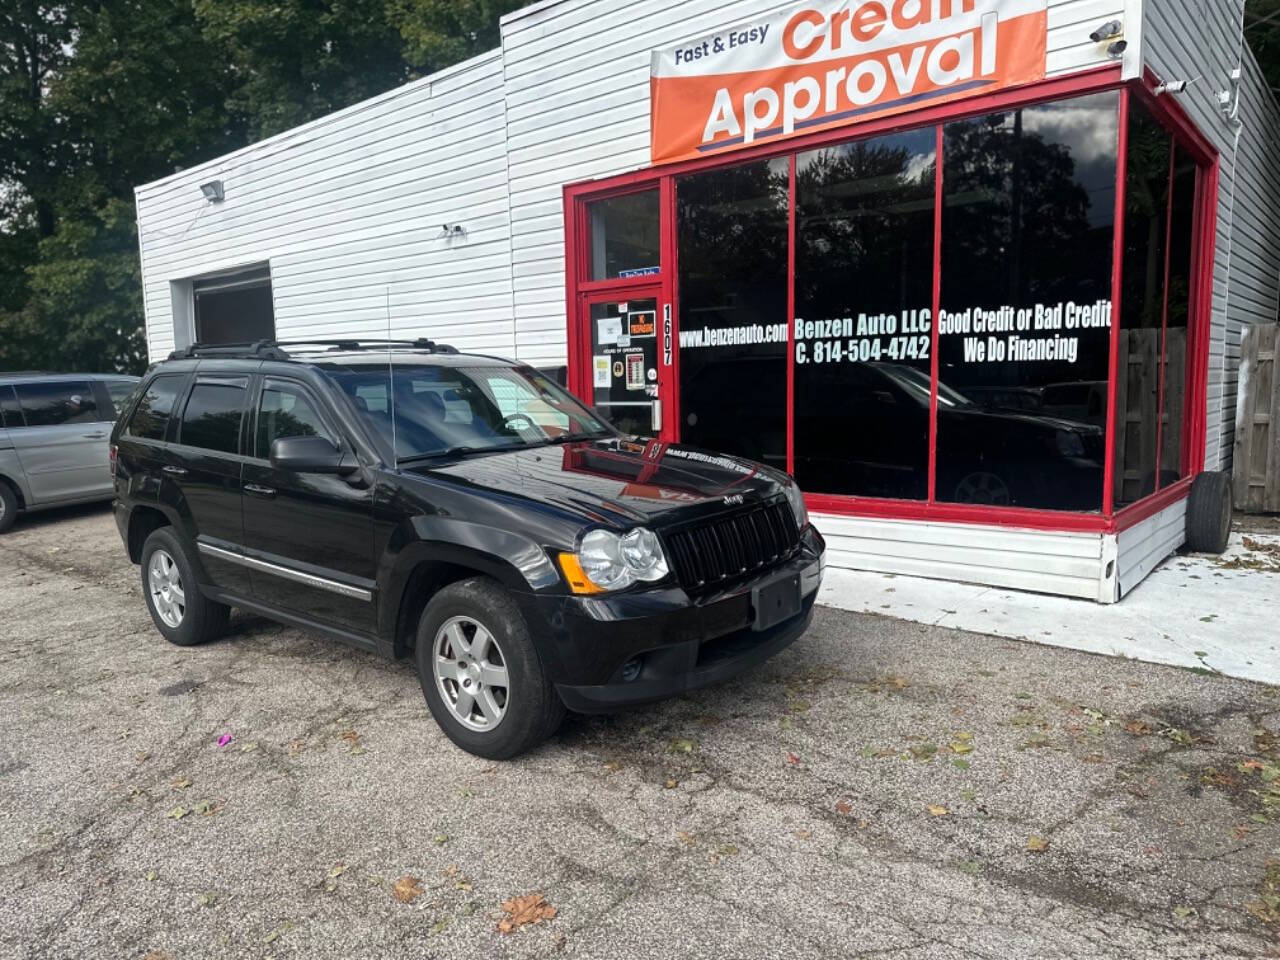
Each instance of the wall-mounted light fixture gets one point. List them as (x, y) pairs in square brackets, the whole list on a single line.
[(212, 191), (1117, 49), (449, 231)]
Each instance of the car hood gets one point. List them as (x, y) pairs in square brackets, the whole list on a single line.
[(1042, 421), (616, 481)]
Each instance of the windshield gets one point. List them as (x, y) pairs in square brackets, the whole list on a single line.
[(447, 410)]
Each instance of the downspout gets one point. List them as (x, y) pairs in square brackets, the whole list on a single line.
[(1229, 103)]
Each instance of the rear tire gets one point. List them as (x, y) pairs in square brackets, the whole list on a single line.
[(481, 674), (8, 507), (180, 611), (1209, 513)]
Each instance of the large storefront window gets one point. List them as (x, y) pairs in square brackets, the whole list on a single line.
[(1160, 187), (1024, 331), (924, 319), (863, 296), (731, 229)]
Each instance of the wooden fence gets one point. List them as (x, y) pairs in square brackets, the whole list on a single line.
[(1137, 402), (1256, 455)]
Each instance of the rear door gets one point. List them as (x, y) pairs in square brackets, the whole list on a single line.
[(63, 444), (202, 475)]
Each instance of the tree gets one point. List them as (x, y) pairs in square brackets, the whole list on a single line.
[(97, 96)]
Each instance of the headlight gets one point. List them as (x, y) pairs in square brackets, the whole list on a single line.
[(796, 499), (1070, 444), (606, 561)]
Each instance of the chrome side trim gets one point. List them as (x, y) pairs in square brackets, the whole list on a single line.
[(288, 573)]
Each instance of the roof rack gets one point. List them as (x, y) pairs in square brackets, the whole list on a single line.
[(274, 349)]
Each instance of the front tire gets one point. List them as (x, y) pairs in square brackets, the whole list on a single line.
[(8, 508), (480, 672), (179, 610)]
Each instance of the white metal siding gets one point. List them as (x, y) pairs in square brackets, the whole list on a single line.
[(1141, 547), (1068, 564), (577, 88), (1200, 40), (348, 211)]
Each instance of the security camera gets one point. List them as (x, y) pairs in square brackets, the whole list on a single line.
[(1112, 28), (1118, 48)]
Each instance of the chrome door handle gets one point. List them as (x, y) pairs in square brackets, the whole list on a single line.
[(94, 436), (258, 491), (176, 471)]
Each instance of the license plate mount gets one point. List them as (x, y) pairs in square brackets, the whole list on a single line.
[(775, 601)]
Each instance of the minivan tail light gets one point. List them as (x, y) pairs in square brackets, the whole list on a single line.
[(111, 459)]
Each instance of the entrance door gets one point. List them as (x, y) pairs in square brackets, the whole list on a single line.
[(627, 368)]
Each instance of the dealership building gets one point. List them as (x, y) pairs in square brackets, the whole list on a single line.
[(974, 271)]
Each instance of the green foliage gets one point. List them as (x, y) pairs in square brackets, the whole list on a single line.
[(98, 96)]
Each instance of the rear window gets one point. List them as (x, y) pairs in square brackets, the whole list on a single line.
[(212, 417), (58, 402), (10, 412), (120, 391), (151, 416)]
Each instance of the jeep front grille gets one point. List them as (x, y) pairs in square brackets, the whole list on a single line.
[(726, 548)]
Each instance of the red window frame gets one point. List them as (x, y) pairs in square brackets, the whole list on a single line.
[(1164, 108)]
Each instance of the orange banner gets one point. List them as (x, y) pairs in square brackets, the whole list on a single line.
[(835, 64)]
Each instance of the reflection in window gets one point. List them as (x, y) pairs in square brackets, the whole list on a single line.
[(1024, 336), (1154, 308), (285, 411), (624, 235), (53, 403), (732, 251), (212, 417), (151, 416), (864, 292)]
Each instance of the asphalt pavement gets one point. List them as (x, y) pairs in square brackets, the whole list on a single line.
[(882, 788)]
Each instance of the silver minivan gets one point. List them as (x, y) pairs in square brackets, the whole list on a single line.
[(53, 438)]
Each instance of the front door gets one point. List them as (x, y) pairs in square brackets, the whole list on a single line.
[(630, 356), (311, 534)]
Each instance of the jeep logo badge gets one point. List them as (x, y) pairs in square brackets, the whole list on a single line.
[(733, 498)]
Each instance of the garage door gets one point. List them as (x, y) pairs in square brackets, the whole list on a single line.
[(235, 308)]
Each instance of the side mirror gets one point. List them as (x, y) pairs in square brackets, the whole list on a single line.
[(309, 455)]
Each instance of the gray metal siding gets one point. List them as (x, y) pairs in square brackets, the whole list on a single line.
[(1200, 40)]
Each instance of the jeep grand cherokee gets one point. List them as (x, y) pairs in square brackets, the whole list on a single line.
[(461, 509)]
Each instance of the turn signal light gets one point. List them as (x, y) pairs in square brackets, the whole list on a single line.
[(111, 459), (578, 580)]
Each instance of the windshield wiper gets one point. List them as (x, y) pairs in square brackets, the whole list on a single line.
[(460, 451)]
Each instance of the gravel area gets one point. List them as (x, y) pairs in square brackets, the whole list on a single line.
[(880, 788)]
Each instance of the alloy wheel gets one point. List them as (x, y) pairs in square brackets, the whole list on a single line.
[(471, 673), (165, 583)]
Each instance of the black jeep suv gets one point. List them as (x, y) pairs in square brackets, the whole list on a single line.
[(463, 509)]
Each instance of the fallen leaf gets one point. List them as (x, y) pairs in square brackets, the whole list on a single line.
[(613, 766), (844, 806), (671, 783), (249, 747), (278, 932), (1182, 912), (1037, 844), (142, 756), (960, 763), (686, 838), (1137, 728), (207, 899), (937, 810), (799, 706), (963, 735), (803, 834), (152, 875), (208, 808), (439, 926), (177, 813), (350, 736), (793, 759), (521, 911), (968, 866), (440, 839), (682, 745), (407, 889), (182, 783), (158, 955), (962, 746)]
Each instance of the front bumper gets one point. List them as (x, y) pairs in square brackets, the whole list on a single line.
[(682, 643)]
